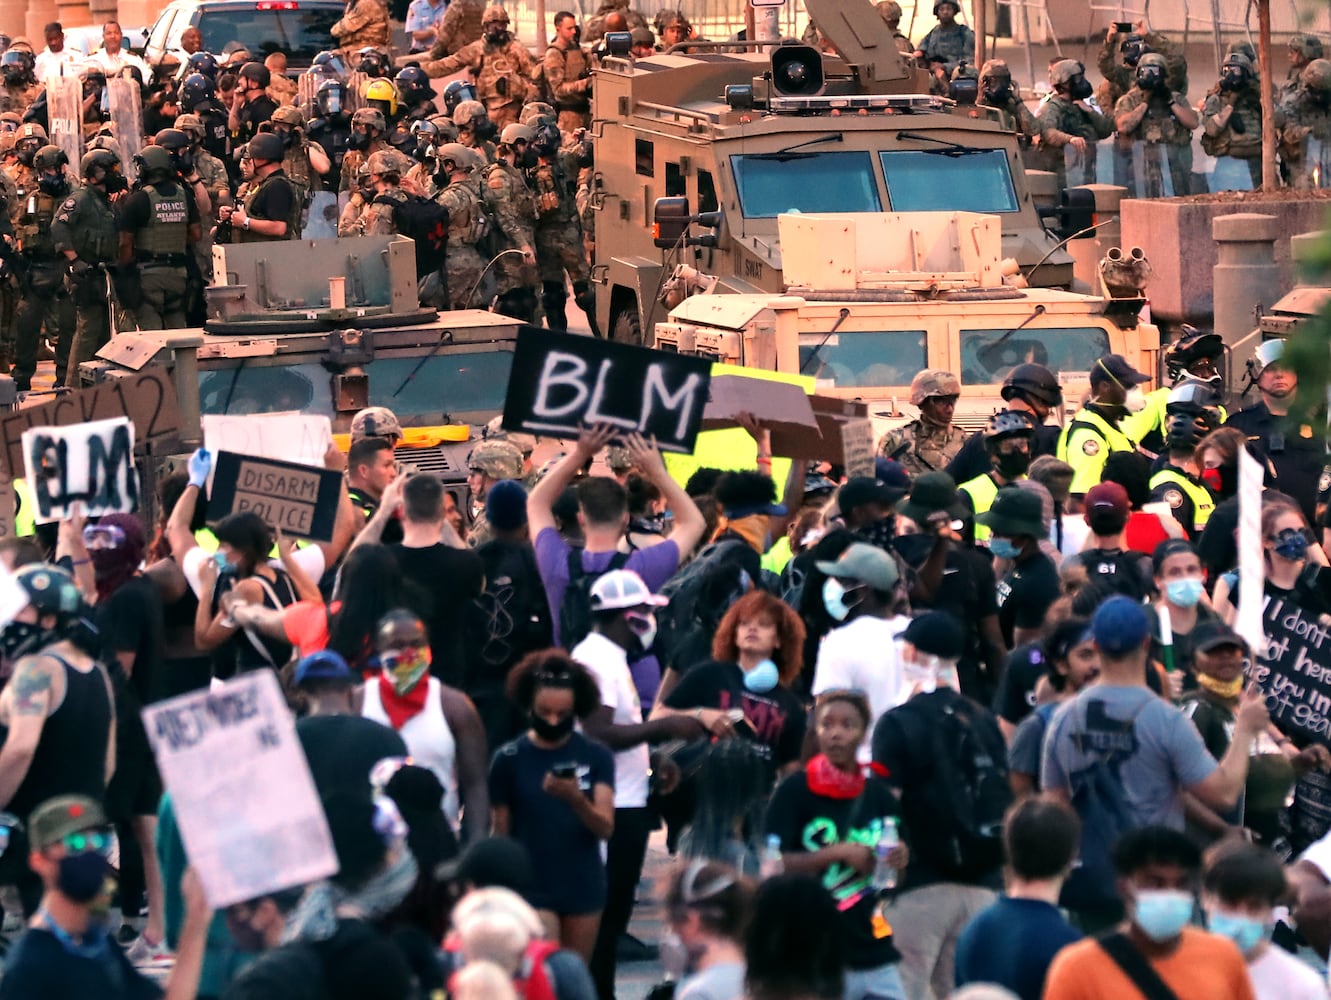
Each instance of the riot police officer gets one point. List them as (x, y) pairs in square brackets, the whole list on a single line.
[(505, 188), (271, 210), (29, 138), (85, 231), (253, 106), (1008, 438), (1232, 116), (1194, 358), (41, 275), (158, 222), (462, 261), (416, 94), (20, 87), (559, 245), (198, 96), (330, 125)]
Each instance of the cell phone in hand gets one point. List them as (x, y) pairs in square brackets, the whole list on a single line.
[(1123, 27), (565, 770)]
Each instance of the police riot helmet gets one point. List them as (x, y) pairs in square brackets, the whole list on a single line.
[(155, 164), (50, 162), (97, 164), (328, 99), (196, 89), (203, 63), (17, 65), (457, 92), (1191, 412), (257, 72), (329, 62), (413, 86), (382, 94), (267, 146), (371, 62), (1006, 424), (179, 145), (1035, 382), (1191, 347)]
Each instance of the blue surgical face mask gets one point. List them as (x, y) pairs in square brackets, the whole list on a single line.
[(1003, 548), (1162, 913), (1245, 931), (834, 599), (763, 677), (1292, 544), (1184, 593), (223, 564)]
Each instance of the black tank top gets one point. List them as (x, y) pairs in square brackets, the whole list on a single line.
[(71, 755)]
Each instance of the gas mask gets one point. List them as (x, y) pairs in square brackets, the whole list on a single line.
[(52, 184), (1132, 53), (1233, 78), (497, 36), (1079, 88), (359, 139), (997, 91), (1012, 464), (1150, 78), (483, 129), (527, 158), (26, 150)]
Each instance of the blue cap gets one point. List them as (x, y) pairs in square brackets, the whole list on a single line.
[(506, 505), (324, 665), (1120, 626)]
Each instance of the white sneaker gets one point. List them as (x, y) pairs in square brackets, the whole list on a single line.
[(145, 954)]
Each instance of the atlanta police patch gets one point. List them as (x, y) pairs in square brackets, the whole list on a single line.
[(1090, 447), (69, 205), (1174, 498)]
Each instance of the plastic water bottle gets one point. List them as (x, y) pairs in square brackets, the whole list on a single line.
[(884, 875), (770, 865)]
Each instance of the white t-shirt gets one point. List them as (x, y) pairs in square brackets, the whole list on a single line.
[(862, 656), (610, 666), (1278, 975), (310, 559)]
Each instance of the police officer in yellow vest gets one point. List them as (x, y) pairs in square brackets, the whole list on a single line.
[(1190, 414), (1194, 357), (1095, 430), (1007, 439), (158, 222)]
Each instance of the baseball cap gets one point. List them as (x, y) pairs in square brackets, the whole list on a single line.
[(1116, 367), (1210, 634), (1120, 625), (375, 421), (506, 505), (936, 633), (494, 861), (892, 474), (1106, 497), (325, 665), (623, 588), (55, 819), (867, 564)]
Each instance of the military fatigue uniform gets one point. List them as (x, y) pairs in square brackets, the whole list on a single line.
[(462, 262), (951, 45), (296, 166), (348, 220), (353, 158), (502, 74), (594, 29), (282, 90), (1225, 140), (505, 190), (377, 217), (460, 26), (1119, 78), (1158, 127), (86, 222), (1061, 120), (559, 246), (485, 150), (160, 249), (568, 79), (922, 447), (364, 23), (1014, 116), (41, 285), (213, 173), (420, 177), (1302, 119), (19, 98)]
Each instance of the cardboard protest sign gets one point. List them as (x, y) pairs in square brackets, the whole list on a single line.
[(561, 383), (241, 789), (781, 407), (1294, 670), (91, 464), (299, 499), (857, 447), (147, 398)]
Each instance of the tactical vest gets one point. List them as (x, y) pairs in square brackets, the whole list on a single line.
[(98, 239), (462, 202), (293, 223), (981, 490), (296, 165), (1203, 503), (556, 195), (33, 228), (167, 232)]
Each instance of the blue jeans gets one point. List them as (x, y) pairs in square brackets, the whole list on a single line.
[(882, 983)]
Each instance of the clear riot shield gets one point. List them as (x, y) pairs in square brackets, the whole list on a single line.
[(126, 107), (1155, 171), (64, 109), (322, 222), (355, 91), (307, 85), (1080, 165), (1229, 174)]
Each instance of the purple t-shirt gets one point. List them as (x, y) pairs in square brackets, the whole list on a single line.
[(655, 564)]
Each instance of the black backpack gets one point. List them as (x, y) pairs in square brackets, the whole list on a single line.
[(575, 610), (702, 590), (968, 793), (1124, 572), (510, 617), (424, 221)]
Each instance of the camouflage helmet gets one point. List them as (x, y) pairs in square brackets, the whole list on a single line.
[(533, 110), (1153, 59), (1064, 70), (995, 69), (494, 431), (497, 459), (933, 382), (49, 158), (288, 114), (889, 10), (462, 157), (1308, 46), (1316, 75), (31, 130), (467, 112), (494, 14), (516, 133), (1243, 48), (370, 118), (383, 163), (191, 125), (448, 132), (1238, 59)]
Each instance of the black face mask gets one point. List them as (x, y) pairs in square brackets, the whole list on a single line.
[(358, 140), (1232, 81), (18, 638), (499, 37), (1079, 88), (527, 159), (1012, 465), (551, 732), (483, 129), (116, 182), (54, 184), (1150, 79), (997, 93), (81, 876), (184, 161)]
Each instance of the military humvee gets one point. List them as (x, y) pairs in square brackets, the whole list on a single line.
[(734, 137)]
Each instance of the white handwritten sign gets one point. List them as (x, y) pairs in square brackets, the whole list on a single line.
[(1294, 670), (560, 383), (90, 463), (302, 438), (247, 807)]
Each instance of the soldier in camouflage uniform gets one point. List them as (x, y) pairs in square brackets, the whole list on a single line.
[(364, 23), (1305, 117), (1232, 116), (559, 246), (504, 187), (890, 11), (929, 443), (568, 74), (27, 140), (474, 128), (1303, 49), (213, 174), (1066, 119), (500, 66), (348, 220), (368, 135), (85, 230), (430, 135), (462, 261), (306, 163), (996, 92), (595, 28), (1151, 113), (946, 45), (489, 462), (376, 219), (20, 87), (1118, 59), (41, 276)]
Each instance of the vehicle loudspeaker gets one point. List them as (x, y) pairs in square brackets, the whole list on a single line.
[(797, 71)]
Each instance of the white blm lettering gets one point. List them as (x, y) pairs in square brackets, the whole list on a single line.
[(568, 393)]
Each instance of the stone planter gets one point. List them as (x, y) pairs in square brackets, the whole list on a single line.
[(1176, 235)]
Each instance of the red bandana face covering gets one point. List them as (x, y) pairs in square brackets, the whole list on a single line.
[(829, 781), (403, 688)]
